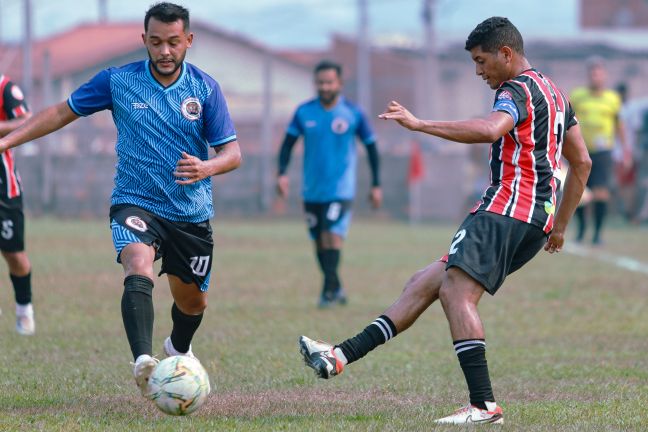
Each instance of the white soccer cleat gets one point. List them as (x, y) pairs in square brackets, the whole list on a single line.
[(170, 350), (142, 370), (470, 414), (25, 324), (320, 356)]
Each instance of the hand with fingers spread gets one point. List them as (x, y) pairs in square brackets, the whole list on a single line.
[(396, 111), (190, 169)]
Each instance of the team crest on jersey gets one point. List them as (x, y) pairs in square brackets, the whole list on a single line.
[(136, 223), (505, 94), (340, 125), (17, 93), (191, 108)]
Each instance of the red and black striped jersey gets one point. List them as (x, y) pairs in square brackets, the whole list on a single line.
[(12, 105), (523, 162)]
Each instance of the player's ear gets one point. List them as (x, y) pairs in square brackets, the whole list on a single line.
[(507, 52), (189, 39), (144, 38)]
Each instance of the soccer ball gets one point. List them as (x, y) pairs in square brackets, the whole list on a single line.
[(179, 385)]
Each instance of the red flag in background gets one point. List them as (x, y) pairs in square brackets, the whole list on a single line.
[(416, 166)]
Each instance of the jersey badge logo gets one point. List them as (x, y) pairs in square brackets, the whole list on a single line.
[(191, 108), (339, 125), (549, 207), (136, 223), (506, 95)]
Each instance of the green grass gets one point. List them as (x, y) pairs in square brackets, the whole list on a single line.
[(566, 337)]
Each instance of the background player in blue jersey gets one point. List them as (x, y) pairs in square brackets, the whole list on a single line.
[(329, 125), (168, 113), (13, 112)]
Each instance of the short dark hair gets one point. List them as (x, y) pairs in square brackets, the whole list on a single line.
[(494, 33), (167, 13), (328, 65)]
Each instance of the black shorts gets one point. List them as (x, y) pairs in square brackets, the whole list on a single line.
[(489, 247), (333, 216), (601, 169), (12, 226), (186, 248)]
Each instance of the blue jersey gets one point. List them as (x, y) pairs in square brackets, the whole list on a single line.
[(329, 148), (155, 124)]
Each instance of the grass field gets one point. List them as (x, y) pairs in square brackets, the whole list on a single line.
[(567, 337)]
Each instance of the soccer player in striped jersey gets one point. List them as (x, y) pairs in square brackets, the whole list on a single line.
[(13, 113), (531, 124), (330, 125), (168, 114)]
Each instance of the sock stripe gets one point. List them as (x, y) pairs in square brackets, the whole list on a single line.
[(382, 329), (385, 326), (468, 345)]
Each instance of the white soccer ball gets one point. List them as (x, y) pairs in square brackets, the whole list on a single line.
[(179, 385)]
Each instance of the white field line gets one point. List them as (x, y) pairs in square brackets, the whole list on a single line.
[(623, 262)]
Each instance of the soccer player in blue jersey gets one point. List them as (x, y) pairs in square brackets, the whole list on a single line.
[(329, 125), (168, 113)]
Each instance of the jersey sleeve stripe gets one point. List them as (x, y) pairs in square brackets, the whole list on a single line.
[(74, 108), (223, 141)]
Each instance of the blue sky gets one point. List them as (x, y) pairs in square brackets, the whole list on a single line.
[(308, 23)]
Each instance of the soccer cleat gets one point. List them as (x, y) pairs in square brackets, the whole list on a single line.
[(325, 301), (142, 370), (170, 350), (320, 357), (470, 414), (340, 296), (25, 324)]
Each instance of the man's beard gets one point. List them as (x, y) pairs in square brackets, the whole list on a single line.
[(328, 97), (175, 69)]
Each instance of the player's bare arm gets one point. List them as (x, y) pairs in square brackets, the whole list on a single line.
[(575, 151), (473, 131), (41, 124), (191, 169), (8, 126)]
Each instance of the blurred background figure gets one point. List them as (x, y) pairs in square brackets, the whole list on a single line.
[(329, 124), (13, 113), (597, 109)]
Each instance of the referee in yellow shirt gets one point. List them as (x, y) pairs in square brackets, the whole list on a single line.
[(597, 109)]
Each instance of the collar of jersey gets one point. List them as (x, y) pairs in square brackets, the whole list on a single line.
[(157, 83), (339, 102)]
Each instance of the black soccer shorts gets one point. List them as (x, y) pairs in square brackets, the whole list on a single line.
[(12, 226), (601, 173), (186, 248), (489, 247), (333, 216)]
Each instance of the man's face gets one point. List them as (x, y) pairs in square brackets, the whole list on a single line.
[(492, 67), (328, 85), (167, 45), (597, 77)]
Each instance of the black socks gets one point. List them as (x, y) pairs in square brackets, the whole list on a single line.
[(376, 333), (184, 327), (472, 358), (137, 314), (329, 260), (22, 288)]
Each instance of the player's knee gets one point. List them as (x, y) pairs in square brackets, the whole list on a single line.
[(18, 263), (193, 306)]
